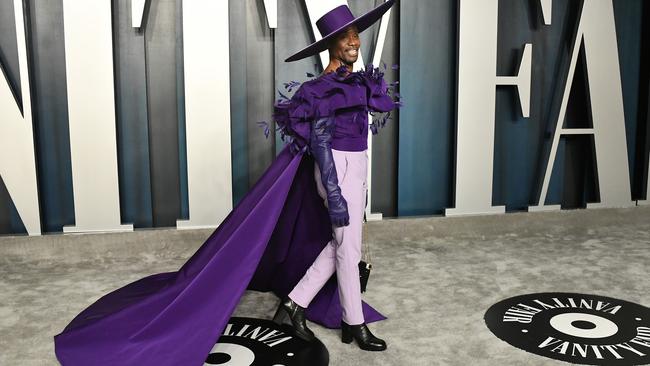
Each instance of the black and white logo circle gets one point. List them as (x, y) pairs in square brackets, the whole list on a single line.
[(260, 342), (577, 328)]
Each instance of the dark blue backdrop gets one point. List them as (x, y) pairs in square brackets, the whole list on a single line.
[(413, 165)]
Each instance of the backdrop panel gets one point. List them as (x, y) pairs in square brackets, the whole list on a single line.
[(413, 156)]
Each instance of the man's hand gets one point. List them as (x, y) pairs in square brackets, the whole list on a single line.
[(340, 217)]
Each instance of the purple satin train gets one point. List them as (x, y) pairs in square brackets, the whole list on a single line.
[(266, 243)]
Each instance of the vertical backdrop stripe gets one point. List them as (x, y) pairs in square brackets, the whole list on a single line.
[(629, 20), (180, 100), (161, 69), (50, 113), (238, 114), (554, 46), (293, 33), (427, 84), (640, 183), (385, 142), (131, 105), (259, 88)]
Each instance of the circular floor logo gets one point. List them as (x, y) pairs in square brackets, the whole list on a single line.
[(577, 328), (257, 342)]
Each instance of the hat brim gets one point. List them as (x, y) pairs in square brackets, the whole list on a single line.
[(362, 23)]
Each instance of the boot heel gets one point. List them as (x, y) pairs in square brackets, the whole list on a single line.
[(365, 339), (346, 334), (280, 315), (290, 310)]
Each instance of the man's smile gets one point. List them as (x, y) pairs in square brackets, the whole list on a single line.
[(352, 52)]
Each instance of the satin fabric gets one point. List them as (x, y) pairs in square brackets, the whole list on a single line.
[(266, 243)]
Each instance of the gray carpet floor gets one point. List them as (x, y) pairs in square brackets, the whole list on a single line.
[(434, 278)]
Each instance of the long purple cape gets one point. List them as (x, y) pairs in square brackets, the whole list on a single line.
[(266, 243)]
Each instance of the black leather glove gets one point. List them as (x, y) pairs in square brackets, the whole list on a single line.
[(320, 145)]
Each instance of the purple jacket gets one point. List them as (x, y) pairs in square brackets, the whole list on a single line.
[(347, 99)]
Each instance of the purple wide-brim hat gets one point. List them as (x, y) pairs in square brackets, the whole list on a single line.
[(335, 21)]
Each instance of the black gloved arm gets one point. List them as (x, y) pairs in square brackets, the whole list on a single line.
[(320, 145)]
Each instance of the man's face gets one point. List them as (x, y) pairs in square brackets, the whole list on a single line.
[(345, 46)]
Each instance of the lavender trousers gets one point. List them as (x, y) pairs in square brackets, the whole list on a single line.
[(343, 253)]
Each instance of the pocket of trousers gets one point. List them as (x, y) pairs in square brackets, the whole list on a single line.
[(342, 168), (341, 173)]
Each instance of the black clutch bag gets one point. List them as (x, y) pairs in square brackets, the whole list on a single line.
[(365, 265), (364, 274)]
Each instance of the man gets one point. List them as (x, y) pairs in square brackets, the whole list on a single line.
[(336, 105), (273, 235)]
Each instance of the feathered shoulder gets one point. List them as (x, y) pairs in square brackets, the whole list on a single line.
[(324, 95)]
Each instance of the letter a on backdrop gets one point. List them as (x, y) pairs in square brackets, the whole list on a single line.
[(597, 30)]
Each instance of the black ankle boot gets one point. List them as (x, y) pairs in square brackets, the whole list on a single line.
[(289, 309), (366, 340)]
